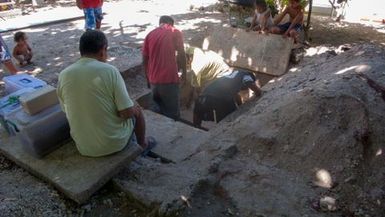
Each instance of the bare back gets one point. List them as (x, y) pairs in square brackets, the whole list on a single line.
[(294, 12)]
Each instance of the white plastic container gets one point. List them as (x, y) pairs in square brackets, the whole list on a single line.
[(17, 82), (42, 133)]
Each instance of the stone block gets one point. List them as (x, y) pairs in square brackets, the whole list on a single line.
[(176, 140), (39, 100), (78, 177), (152, 182), (268, 54)]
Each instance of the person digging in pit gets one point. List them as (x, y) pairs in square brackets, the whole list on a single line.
[(221, 98), (203, 66)]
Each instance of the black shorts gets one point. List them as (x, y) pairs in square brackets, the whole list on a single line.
[(206, 107)]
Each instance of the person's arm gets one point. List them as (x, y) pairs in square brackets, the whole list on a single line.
[(253, 86), (145, 67), (181, 55), (29, 49), (140, 124), (297, 20), (145, 57), (280, 16), (253, 22), (79, 4), (264, 20), (130, 112), (10, 67)]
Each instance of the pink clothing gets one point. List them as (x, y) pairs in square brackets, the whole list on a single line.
[(160, 46), (92, 3)]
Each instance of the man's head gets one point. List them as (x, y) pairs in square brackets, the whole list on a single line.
[(166, 20), (20, 37), (260, 5), (295, 3), (93, 43)]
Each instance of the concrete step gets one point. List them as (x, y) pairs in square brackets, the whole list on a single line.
[(76, 176), (167, 185)]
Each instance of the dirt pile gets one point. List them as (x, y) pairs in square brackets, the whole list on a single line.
[(312, 144)]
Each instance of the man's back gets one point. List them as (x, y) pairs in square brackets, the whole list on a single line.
[(207, 66), (160, 46), (91, 94), (227, 86)]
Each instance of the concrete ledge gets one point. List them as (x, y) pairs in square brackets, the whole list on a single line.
[(176, 140), (78, 177), (154, 183)]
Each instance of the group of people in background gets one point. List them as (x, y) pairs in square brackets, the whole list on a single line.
[(263, 21)]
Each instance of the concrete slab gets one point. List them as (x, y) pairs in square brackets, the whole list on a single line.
[(257, 52), (152, 182), (176, 141), (78, 177)]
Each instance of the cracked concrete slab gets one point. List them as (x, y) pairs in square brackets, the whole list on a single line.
[(147, 180), (78, 177)]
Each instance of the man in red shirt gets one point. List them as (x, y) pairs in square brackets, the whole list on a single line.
[(163, 55), (92, 12)]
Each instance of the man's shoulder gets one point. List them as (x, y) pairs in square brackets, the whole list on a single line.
[(99, 66)]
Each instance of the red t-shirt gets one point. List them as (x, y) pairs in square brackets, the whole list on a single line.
[(92, 3), (160, 46)]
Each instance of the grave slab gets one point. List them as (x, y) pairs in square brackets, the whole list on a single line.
[(76, 176), (152, 182), (268, 54), (176, 140)]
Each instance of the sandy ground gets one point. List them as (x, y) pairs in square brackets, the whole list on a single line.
[(126, 23)]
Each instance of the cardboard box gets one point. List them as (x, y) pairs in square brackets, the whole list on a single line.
[(39, 100)]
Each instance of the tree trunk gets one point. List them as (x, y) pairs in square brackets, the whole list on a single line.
[(307, 27)]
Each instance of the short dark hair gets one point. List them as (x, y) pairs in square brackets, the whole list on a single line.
[(261, 3), (91, 42), (18, 36), (166, 19)]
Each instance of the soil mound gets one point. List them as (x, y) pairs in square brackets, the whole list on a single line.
[(313, 143)]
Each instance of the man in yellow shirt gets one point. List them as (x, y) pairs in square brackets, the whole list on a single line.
[(204, 67), (92, 93)]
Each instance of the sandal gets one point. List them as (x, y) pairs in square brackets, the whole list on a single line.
[(151, 143)]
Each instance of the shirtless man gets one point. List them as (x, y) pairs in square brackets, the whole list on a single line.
[(291, 28)]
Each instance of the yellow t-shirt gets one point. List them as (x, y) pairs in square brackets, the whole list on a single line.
[(91, 93), (207, 66)]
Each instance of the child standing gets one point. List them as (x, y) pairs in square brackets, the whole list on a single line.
[(92, 12), (262, 20), (22, 52), (291, 28)]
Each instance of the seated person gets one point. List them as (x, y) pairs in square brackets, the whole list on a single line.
[(22, 52), (262, 20), (220, 97), (203, 67), (5, 57), (102, 117), (291, 28)]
